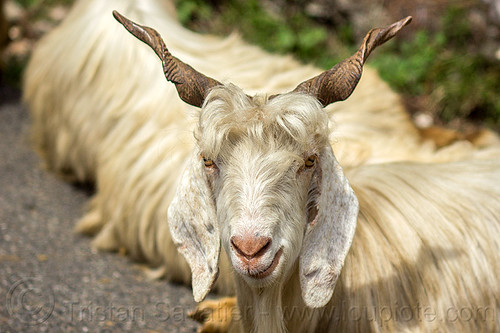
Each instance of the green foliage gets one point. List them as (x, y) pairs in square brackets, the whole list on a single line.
[(467, 86), (12, 73), (296, 34), (406, 66), (293, 33), (27, 3), (192, 10), (40, 3), (460, 82)]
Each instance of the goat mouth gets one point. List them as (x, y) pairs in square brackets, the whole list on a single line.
[(267, 271)]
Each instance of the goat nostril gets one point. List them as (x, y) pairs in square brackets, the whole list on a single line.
[(234, 244), (250, 246), (265, 247)]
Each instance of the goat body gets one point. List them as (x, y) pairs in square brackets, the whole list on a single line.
[(263, 168)]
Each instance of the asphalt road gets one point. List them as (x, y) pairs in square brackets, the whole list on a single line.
[(50, 279)]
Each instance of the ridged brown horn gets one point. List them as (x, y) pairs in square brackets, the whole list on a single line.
[(191, 85), (339, 82)]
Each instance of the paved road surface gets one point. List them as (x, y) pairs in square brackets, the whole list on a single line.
[(50, 279)]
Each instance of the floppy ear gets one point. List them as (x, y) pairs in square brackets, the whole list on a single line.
[(329, 235), (193, 226)]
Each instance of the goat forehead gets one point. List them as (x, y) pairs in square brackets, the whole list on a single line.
[(229, 114), (260, 186), (260, 164)]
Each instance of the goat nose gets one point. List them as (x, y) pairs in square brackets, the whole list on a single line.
[(250, 246)]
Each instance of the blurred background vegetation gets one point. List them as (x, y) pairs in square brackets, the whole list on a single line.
[(446, 64)]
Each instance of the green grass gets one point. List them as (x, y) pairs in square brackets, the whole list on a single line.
[(460, 82), (33, 3), (291, 33)]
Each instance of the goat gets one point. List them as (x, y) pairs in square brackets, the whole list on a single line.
[(84, 125), (118, 123), (263, 183)]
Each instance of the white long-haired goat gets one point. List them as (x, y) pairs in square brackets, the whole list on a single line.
[(263, 183), (269, 189)]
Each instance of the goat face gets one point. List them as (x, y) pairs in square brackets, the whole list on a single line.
[(271, 193), (260, 162), (263, 179)]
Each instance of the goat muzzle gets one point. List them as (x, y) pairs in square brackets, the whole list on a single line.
[(251, 250)]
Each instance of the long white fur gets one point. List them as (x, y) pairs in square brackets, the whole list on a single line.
[(102, 110)]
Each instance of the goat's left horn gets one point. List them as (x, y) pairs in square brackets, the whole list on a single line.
[(339, 82), (191, 85)]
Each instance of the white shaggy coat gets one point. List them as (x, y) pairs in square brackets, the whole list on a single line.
[(418, 226), (102, 111)]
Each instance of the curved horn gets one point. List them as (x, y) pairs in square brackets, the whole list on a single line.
[(339, 82), (191, 85)]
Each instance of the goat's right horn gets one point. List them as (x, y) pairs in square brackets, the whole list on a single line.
[(191, 85), (339, 82)]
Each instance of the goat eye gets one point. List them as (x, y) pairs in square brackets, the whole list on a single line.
[(209, 163), (310, 161)]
